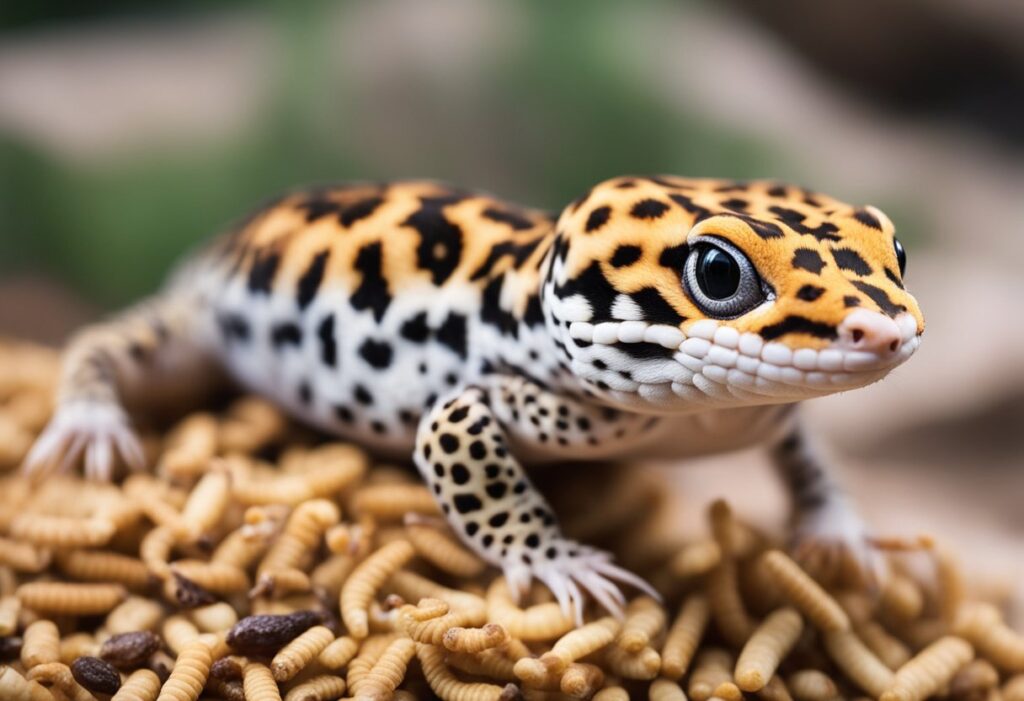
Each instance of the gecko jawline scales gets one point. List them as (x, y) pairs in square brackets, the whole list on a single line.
[(655, 316)]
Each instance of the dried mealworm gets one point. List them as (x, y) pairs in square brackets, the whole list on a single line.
[(443, 552), (62, 531), (951, 583), (767, 647), (696, 559), (23, 557), (364, 582), (892, 651), (190, 672), (14, 687), (539, 622), (58, 676), (712, 667), (394, 501), (389, 670), (103, 566), (446, 685), (804, 593), (40, 644), (460, 639), (726, 602), (259, 683), (727, 691), (902, 599), (72, 599), (613, 693), (205, 506), (212, 576), (214, 618), (812, 685), (983, 626), (929, 670), (339, 652), (155, 551), (645, 620), (141, 685), (324, 687), (296, 655), (134, 613), (179, 633), (413, 587), (578, 643), (581, 680), (858, 662), (190, 446), (10, 608), (370, 651), (665, 690), (633, 665), (251, 423), (684, 636)]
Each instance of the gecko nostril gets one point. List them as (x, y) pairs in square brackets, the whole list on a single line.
[(894, 346), (857, 335)]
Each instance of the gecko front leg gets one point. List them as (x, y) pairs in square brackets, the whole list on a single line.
[(462, 452)]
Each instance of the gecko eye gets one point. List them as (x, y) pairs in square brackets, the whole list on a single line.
[(721, 280), (901, 256)]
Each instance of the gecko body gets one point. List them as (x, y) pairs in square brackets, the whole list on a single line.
[(655, 316)]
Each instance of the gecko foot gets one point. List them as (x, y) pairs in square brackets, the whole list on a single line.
[(832, 544), (98, 432), (570, 571)]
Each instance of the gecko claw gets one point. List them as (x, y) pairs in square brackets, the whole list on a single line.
[(832, 544)]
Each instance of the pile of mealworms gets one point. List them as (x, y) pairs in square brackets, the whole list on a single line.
[(256, 560)]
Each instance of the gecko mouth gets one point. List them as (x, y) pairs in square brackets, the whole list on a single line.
[(718, 362)]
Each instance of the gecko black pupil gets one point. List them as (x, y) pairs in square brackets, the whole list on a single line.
[(901, 256), (718, 274)]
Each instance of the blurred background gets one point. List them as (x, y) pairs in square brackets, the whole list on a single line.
[(132, 129)]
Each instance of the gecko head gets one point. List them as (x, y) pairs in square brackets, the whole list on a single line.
[(672, 294)]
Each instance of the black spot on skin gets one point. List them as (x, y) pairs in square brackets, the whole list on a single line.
[(699, 213), (498, 520), (328, 346), (363, 395), (453, 333), (377, 353), (626, 255), (449, 443), (551, 553), (487, 540), (496, 490), (655, 308), (372, 292), (583, 423), (460, 473), (735, 204), (764, 229), (440, 246), (851, 301), (359, 210), (626, 185), (867, 219), (777, 191), (439, 469), (492, 313), (492, 471), (593, 285), (516, 221), (534, 315), (893, 278), (809, 260), (467, 503), (262, 272), (532, 541), (427, 450), (809, 293), (648, 209), (879, 297), (415, 329), (519, 487), (798, 324), (378, 427), (599, 364), (284, 334), (597, 218), (317, 207), (674, 257), (344, 414), (309, 283), (472, 527), (407, 417), (458, 414), (519, 252), (850, 260), (305, 393), (826, 231), (477, 450), (645, 351)]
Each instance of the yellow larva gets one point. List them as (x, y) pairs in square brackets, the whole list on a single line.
[(394, 501), (1013, 689), (179, 633), (369, 652), (581, 642), (858, 662), (902, 598), (413, 587), (712, 667), (459, 639), (665, 690), (240, 549), (539, 622), (14, 687), (433, 630), (134, 613), (155, 551), (62, 531), (974, 680), (363, 584), (141, 685), (684, 636), (324, 687), (190, 446), (251, 423), (23, 557), (214, 618), (929, 670), (213, 576), (767, 647), (696, 559), (72, 599), (77, 645), (645, 620), (892, 651), (389, 670), (614, 693), (330, 575), (302, 533), (189, 675), (726, 602), (775, 690), (58, 675), (338, 653), (41, 644), (103, 566), (10, 608), (446, 685), (983, 626), (812, 685), (443, 552), (581, 680), (951, 583), (727, 691), (296, 655), (804, 593), (328, 469), (259, 683), (205, 506), (643, 664)]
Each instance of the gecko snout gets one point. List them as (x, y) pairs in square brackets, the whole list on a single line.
[(869, 331)]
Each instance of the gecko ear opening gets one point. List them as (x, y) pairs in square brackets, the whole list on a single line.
[(720, 279)]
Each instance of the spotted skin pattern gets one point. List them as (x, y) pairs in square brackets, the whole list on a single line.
[(482, 337)]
